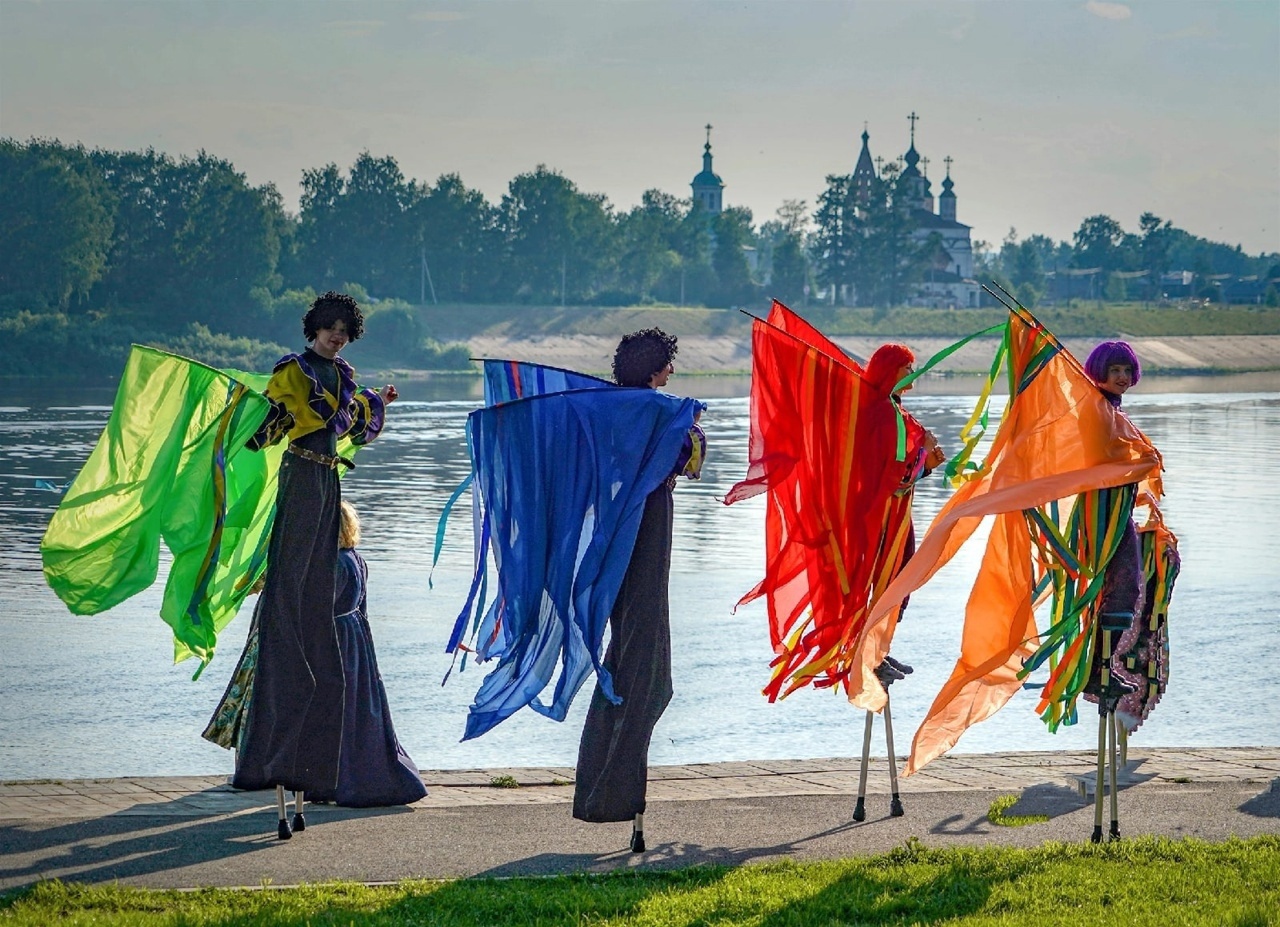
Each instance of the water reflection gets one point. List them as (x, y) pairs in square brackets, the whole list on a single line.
[(77, 689)]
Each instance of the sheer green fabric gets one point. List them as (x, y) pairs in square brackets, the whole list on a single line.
[(172, 467)]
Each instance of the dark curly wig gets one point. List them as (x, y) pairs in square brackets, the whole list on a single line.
[(330, 308), (642, 354)]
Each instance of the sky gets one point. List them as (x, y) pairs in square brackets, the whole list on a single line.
[(1051, 110)]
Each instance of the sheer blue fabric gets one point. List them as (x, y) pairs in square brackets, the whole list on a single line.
[(562, 480), (505, 380)]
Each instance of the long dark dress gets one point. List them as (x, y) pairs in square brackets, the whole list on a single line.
[(293, 733), (613, 757), (374, 769)]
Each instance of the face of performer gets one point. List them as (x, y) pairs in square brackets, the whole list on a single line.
[(329, 341), (662, 376), (1119, 378), (905, 370)]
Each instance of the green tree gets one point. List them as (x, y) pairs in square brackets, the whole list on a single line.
[(1098, 243), (833, 239), (57, 223), (459, 243), (732, 231), (559, 242), (886, 258)]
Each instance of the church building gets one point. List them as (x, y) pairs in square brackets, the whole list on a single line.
[(948, 283)]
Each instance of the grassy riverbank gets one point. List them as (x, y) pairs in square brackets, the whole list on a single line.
[(1143, 881)]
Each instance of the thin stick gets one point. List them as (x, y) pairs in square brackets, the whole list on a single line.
[(895, 803), (860, 809)]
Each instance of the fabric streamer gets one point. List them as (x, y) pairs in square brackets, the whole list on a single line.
[(1056, 481), (833, 455), (171, 466), (561, 480)]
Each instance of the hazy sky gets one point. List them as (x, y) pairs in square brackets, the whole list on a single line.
[(1053, 111)]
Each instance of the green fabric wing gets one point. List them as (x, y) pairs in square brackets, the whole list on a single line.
[(171, 465)]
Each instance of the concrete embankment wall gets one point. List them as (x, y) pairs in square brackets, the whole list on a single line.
[(731, 354)]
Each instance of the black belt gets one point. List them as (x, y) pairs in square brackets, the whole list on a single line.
[(330, 462)]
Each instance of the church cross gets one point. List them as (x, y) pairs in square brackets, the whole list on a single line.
[(925, 162), (708, 134), (912, 119), (947, 162)]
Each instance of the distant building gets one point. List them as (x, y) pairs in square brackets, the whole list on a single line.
[(949, 281), (708, 188)]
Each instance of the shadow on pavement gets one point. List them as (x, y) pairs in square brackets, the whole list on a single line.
[(1266, 804), (672, 855), (143, 839)]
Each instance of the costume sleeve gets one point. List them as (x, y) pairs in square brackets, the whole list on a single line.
[(368, 411), (692, 454), (288, 390)]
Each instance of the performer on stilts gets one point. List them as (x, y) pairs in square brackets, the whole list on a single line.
[(839, 458), (1061, 478), (293, 732), (586, 471)]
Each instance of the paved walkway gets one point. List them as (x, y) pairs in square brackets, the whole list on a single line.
[(186, 831)]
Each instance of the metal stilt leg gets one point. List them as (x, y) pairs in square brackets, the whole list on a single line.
[(283, 832), (1112, 725), (860, 809), (895, 803)]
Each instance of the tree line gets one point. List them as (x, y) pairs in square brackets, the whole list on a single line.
[(105, 247)]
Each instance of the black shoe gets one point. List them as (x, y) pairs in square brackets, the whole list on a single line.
[(299, 823), (637, 841), (899, 665), (283, 833), (888, 674)]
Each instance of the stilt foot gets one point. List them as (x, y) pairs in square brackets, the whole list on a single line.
[(1097, 834), (895, 807), (637, 841), (1115, 831), (299, 823), (283, 833), (860, 810)]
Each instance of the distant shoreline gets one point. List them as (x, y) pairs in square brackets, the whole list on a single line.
[(721, 355)]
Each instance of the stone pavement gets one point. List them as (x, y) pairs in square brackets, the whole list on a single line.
[(186, 831)]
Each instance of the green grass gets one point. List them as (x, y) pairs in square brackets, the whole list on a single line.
[(996, 813), (1140, 882), (504, 782)]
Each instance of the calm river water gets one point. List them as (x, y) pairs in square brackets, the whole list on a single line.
[(98, 696)]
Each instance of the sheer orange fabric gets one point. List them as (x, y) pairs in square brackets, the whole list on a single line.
[(1058, 437)]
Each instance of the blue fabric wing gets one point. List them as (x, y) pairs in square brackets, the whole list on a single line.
[(562, 480), (505, 380)]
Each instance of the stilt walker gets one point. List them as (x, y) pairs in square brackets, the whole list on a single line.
[(838, 457), (1059, 484)]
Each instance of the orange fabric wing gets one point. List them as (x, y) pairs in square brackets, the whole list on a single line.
[(1058, 437)]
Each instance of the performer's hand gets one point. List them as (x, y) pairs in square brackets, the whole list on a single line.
[(935, 458), (389, 394)]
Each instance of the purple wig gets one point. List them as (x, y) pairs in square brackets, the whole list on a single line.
[(1108, 353)]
